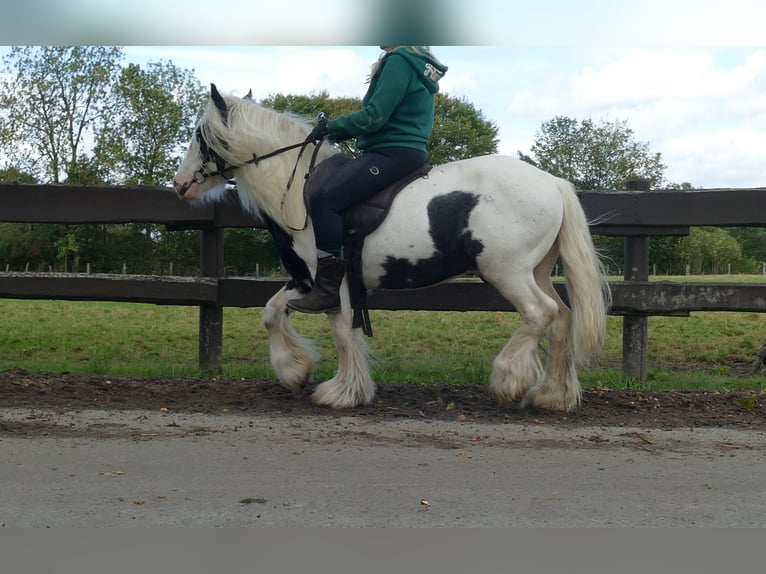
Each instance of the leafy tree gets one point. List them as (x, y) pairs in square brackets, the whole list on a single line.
[(15, 175), (250, 250), (710, 250), (309, 106), (73, 114), (666, 255), (594, 156), (54, 98), (179, 250), (685, 186), (753, 242), (28, 244), (142, 144), (460, 131)]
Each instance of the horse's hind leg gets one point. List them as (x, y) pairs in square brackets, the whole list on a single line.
[(352, 384), (517, 367), (560, 387), (292, 356)]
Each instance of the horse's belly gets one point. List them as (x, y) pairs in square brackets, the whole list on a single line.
[(410, 265)]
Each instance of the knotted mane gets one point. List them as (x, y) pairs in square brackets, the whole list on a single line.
[(251, 128)]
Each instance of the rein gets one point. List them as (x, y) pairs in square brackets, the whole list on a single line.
[(201, 174)]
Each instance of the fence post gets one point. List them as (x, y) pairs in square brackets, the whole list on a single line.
[(211, 315), (635, 328)]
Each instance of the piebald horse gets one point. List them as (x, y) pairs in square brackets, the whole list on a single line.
[(496, 216)]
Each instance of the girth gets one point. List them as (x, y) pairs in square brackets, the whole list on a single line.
[(359, 221)]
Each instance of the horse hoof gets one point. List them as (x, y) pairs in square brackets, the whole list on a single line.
[(544, 401)]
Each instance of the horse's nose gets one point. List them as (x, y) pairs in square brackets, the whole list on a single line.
[(181, 189)]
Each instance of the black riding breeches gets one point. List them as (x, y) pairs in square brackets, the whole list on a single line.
[(353, 183)]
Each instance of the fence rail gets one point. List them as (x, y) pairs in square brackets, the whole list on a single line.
[(635, 215)]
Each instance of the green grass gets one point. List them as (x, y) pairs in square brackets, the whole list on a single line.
[(422, 346), (754, 278)]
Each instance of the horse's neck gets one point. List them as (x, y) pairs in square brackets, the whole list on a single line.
[(266, 183)]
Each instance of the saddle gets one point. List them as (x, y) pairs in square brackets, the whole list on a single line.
[(358, 222)]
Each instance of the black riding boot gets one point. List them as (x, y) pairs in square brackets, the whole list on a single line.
[(324, 296)]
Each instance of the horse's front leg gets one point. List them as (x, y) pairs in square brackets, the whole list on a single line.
[(352, 384), (292, 356)]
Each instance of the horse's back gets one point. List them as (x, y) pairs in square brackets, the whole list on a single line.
[(462, 216), (509, 174), (495, 185)]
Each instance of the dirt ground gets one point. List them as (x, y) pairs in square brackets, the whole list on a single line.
[(743, 410)]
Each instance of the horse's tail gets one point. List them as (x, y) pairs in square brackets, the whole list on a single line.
[(586, 280)]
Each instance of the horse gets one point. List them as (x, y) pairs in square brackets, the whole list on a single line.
[(497, 216)]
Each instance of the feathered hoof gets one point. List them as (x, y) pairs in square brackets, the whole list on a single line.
[(506, 396), (296, 386), (507, 392), (537, 398), (331, 394), (294, 375)]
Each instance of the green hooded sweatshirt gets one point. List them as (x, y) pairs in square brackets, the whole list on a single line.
[(398, 108)]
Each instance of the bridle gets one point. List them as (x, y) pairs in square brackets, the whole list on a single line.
[(209, 154)]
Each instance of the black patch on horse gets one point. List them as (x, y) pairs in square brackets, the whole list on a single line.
[(456, 249), (294, 265)]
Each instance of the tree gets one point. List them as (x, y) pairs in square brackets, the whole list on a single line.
[(753, 243), (308, 106), (73, 114), (15, 175), (28, 244), (710, 250), (594, 156), (54, 98), (460, 131), (249, 251), (143, 143)]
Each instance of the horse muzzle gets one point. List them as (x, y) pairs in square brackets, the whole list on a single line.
[(182, 188)]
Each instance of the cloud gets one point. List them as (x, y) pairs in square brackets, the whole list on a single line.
[(695, 106), (267, 70), (727, 158)]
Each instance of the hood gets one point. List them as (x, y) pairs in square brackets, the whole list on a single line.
[(428, 69)]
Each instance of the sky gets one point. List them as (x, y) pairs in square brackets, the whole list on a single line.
[(689, 78)]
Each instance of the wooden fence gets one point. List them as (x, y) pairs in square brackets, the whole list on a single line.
[(635, 215)]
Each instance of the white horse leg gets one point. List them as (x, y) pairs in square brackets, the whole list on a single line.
[(560, 388), (518, 367), (352, 384), (292, 356)]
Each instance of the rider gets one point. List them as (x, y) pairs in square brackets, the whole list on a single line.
[(392, 128)]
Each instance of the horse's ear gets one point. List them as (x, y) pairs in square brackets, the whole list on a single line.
[(218, 101), (248, 95)]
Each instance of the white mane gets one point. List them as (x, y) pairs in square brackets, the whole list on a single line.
[(251, 128)]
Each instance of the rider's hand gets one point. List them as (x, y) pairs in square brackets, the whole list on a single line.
[(318, 133)]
